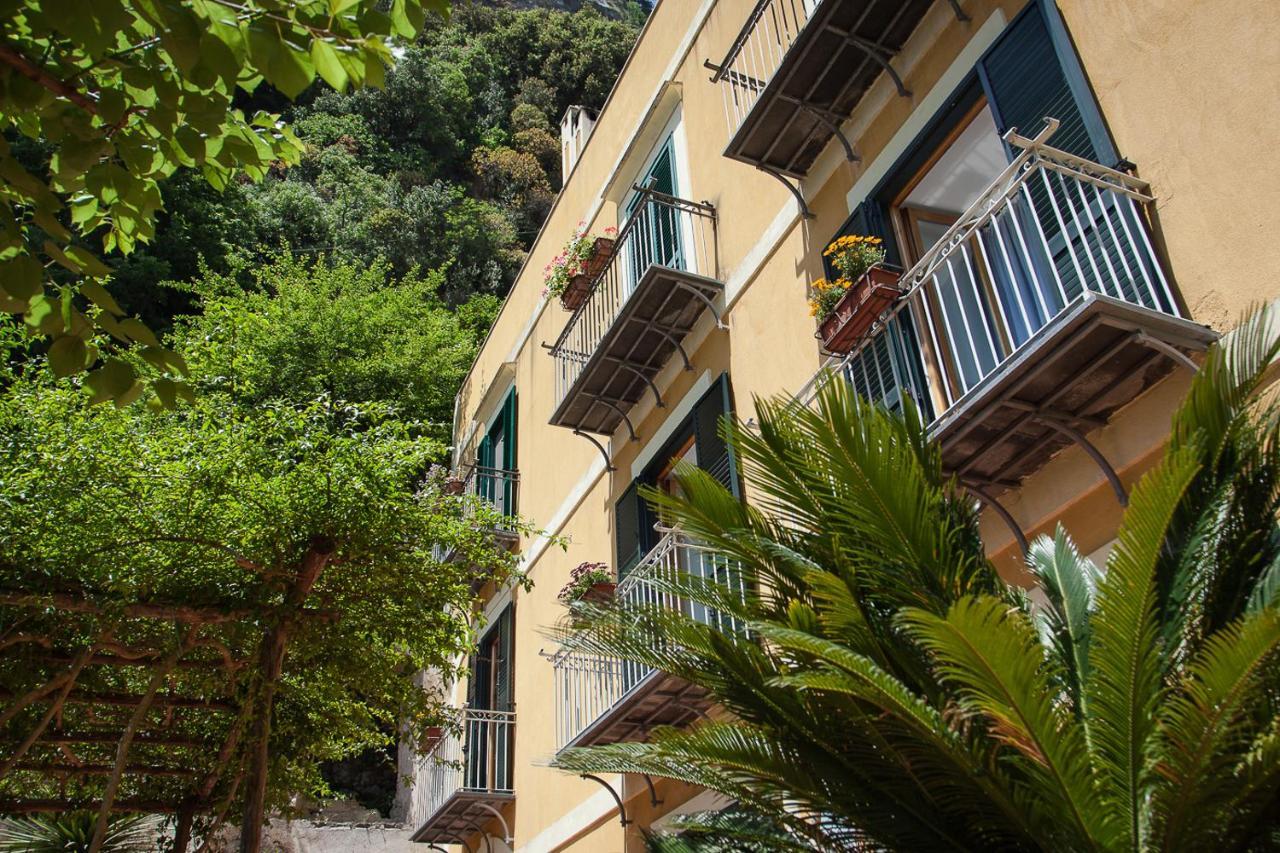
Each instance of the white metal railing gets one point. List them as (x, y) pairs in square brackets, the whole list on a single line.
[(757, 52), (497, 487), (474, 755), (1051, 227), (589, 685), (661, 231)]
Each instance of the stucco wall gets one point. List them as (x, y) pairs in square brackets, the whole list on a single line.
[(1189, 92)]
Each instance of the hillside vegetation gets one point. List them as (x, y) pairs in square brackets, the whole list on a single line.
[(450, 168)]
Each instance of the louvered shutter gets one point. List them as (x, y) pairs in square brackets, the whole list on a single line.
[(627, 522), (1032, 72), (503, 660), (714, 455), (871, 218)]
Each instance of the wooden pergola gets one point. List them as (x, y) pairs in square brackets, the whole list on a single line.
[(133, 705)]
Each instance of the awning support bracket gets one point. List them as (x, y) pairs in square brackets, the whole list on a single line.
[(805, 212), (506, 830), (612, 405), (653, 794), (834, 127), (608, 465), (622, 810), (961, 15), (698, 294), (1094, 453), (684, 356), (1176, 355), (880, 55), (998, 508), (657, 396)]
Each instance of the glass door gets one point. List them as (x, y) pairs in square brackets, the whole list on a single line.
[(655, 237)]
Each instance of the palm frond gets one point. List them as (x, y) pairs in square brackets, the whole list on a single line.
[(989, 652), (1208, 728), (1124, 682), (1070, 582)]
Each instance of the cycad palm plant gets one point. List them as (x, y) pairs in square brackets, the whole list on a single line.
[(892, 692)]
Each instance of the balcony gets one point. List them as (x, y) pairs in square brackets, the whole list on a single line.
[(606, 700), (662, 276), (1042, 311), (798, 68), (465, 777), (495, 487)]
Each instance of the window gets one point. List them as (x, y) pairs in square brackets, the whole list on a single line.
[(496, 459), (695, 441), (487, 748), (657, 237), (1029, 73)]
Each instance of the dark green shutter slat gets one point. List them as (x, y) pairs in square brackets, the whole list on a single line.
[(626, 529), (503, 660), (1025, 81), (870, 219), (712, 452)]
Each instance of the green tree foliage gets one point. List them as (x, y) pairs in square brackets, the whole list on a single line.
[(308, 329), (120, 94), (312, 438), (451, 166), (894, 693)]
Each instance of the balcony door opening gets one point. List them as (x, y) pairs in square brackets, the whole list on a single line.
[(487, 739), (657, 237), (957, 171), (496, 460)]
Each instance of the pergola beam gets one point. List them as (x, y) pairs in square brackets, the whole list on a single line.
[(96, 697)]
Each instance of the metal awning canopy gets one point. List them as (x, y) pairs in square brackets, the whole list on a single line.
[(658, 699), (832, 63), (649, 329), (1092, 359), (461, 816)]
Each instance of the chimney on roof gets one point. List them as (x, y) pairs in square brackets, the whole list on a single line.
[(575, 130)]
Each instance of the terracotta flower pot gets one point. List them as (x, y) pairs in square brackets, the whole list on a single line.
[(600, 593), (601, 254), (453, 486), (580, 285), (577, 292), (858, 309)]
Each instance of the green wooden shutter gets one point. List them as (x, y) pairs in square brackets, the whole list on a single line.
[(1032, 72), (627, 519), (871, 218), (713, 452), (509, 431), (503, 665)]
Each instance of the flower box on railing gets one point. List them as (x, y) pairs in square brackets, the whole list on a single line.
[(855, 313), (579, 286)]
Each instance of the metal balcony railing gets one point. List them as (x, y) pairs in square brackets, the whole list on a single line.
[(497, 487), (472, 759), (757, 52), (590, 687), (1051, 230), (662, 231)]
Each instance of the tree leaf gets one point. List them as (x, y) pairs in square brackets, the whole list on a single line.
[(67, 355)]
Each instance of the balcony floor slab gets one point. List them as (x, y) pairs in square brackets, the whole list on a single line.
[(819, 82), (458, 817), (659, 699), (1078, 371), (657, 316)]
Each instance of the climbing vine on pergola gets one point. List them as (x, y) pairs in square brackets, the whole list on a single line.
[(188, 627)]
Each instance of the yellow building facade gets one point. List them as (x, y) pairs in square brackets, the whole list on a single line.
[(1078, 199)]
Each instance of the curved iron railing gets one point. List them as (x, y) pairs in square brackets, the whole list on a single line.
[(1051, 227), (662, 231), (588, 686)]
